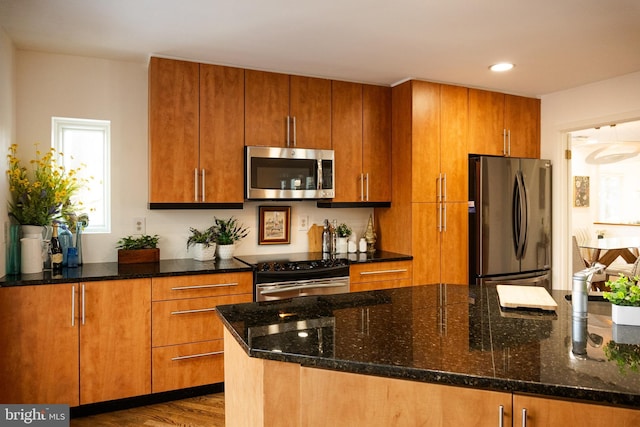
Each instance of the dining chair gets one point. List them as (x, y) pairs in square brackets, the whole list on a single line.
[(580, 263), (628, 269)]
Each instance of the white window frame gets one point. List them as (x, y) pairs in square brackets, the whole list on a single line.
[(58, 126)]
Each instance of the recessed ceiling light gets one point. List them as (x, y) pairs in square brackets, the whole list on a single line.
[(502, 66)]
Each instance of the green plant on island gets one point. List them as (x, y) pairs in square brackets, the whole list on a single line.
[(343, 230), (206, 237), (140, 242), (229, 231), (623, 291)]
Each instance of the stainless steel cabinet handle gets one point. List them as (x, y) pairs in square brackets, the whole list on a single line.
[(367, 273), (439, 187), (504, 142), (509, 141), (83, 306), (199, 310), (288, 131), (195, 185), (501, 416), (362, 187), (440, 216), (367, 178), (444, 217), (218, 285), (73, 305), (444, 193), (524, 417), (203, 180), (193, 356), (294, 131)]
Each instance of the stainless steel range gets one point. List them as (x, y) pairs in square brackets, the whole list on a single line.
[(291, 275)]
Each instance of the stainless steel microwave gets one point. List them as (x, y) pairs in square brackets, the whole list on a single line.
[(274, 173)]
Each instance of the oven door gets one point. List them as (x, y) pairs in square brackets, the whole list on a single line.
[(299, 288)]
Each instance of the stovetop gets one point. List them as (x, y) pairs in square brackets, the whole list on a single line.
[(296, 266), (288, 258)]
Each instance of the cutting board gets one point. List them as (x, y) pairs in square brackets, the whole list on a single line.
[(315, 238), (514, 296)]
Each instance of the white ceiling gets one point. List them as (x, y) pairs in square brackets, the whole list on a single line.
[(555, 44)]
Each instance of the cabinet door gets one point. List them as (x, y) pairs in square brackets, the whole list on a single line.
[(486, 123), (222, 133), (454, 246), (115, 340), (376, 142), (39, 345), (426, 239), (310, 104), (454, 125), (550, 412), (266, 108), (173, 130), (346, 137), (522, 118), (425, 143)]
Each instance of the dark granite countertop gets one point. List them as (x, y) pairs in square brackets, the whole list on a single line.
[(115, 271), (354, 258), (448, 334)]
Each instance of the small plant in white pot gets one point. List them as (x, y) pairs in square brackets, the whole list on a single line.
[(203, 242), (227, 233), (625, 297), (343, 231)]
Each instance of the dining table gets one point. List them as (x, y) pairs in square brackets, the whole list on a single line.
[(614, 247)]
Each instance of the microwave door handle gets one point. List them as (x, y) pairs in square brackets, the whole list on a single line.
[(319, 180)]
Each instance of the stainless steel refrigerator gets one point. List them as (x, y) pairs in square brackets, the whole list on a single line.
[(510, 220)]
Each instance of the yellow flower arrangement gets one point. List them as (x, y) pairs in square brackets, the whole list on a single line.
[(42, 194)]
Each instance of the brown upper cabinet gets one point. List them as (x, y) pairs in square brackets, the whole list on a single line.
[(503, 125), (196, 132), (287, 111), (361, 139)]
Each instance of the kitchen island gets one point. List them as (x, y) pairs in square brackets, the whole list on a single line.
[(425, 355)]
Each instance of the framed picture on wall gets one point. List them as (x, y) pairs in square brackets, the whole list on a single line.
[(581, 191), (275, 225)]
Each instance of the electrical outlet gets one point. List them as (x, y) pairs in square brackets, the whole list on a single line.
[(139, 225), (303, 223)]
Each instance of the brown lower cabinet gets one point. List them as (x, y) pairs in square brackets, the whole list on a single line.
[(260, 392), (380, 275), (187, 334), (75, 344)]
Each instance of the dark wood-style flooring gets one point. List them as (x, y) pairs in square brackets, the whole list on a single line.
[(199, 411)]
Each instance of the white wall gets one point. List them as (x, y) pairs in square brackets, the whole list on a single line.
[(7, 127), (609, 101), (80, 87)]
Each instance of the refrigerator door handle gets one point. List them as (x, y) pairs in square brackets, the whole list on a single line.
[(520, 211)]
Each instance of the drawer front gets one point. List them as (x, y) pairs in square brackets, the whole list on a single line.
[(188, 365), (201, 285), (380, 271), (380, 284), (189, 320)]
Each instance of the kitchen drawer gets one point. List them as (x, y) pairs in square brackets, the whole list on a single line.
[(379, 284), (380, 271), (201, 285), (189, 320), (187, 365)]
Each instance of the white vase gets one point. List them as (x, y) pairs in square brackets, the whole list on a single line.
[(341, 247), (225, 251), (625, 315), (32, 231), (201, 252)]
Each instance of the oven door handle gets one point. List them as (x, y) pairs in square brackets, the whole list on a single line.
[(307, 286)]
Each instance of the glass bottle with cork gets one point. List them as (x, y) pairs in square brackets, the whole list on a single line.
[(56, 251)]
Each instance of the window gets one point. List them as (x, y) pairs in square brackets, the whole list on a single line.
[(86, 144)]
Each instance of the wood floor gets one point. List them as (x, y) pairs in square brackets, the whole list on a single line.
[(200, 411)]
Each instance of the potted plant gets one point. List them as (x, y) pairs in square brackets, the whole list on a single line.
[(141, 249), (343, 231), (203, 242), (227, 233), (625, 297)]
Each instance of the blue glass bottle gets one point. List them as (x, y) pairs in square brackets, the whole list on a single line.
[(66, 241)]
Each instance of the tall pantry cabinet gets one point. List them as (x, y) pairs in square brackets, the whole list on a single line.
[(428, 213), (196, 133)]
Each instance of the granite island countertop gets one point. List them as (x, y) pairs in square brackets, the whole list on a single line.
[(447, 334)]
